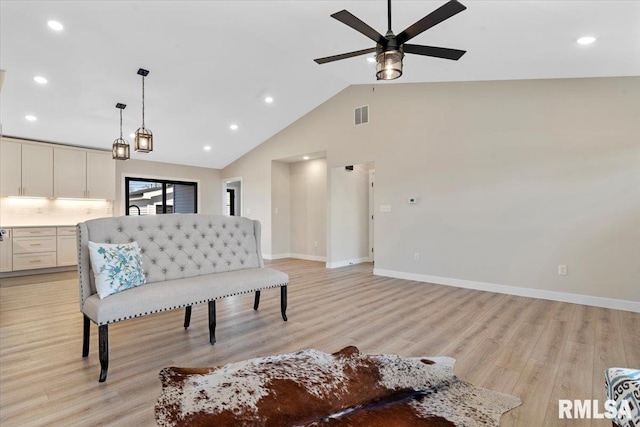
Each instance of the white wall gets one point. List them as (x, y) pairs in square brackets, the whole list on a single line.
[(349, 216), (209, 186), (514, 178)]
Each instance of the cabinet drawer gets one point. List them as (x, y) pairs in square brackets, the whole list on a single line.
[(34, 231), (32, 261), (66, 231), (26, 245)]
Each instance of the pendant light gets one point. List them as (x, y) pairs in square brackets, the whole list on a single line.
[(144, 138), (120, 150)]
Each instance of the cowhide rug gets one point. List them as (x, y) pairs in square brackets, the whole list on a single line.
[(311, 388)]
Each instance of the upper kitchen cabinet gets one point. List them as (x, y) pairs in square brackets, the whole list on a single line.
[(27, 169), (101, 176), (82, 174), (70, 173)]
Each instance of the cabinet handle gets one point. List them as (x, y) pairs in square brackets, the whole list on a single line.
[(36, 244), (35, 260)]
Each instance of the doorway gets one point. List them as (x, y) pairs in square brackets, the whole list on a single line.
[(232, 196), (352, 219)]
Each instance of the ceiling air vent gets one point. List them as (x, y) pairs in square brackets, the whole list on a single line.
[(362, 115)]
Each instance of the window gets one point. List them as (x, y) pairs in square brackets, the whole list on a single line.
[(156, 196)]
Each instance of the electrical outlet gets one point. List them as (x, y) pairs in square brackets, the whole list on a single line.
[(248, 211), (416, 256), (315, 244), (562, 270), (277, 210)]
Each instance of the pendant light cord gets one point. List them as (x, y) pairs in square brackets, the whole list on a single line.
[(389, 15), (142, 102), (121, 123)]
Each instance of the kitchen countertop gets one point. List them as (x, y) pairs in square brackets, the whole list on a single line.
[(37, 226)]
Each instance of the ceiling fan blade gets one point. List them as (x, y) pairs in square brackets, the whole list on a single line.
[(349, 19), (438, 52), (344, 56), (444, 12)]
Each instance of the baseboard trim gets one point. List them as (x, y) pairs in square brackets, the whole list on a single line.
[(338, 264), (298, 256), (615, 304)]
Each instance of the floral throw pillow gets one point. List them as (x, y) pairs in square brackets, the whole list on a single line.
[(116, 267)]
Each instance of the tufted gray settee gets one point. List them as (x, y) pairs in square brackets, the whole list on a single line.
[(187, 259)]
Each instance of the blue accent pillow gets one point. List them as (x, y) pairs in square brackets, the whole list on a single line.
[(116, 267)]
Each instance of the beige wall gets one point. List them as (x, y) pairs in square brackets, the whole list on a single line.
[(513, 177), (308, 182), (209, 185), (280, 201)]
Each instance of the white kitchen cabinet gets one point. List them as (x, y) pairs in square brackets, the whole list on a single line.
[(6, 252), (69, 173), (81, 174), (34, 247), (10, 168), (101, 176), (27, 169), (67, 246)]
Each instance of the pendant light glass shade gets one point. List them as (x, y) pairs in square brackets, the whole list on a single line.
[(389, 65), (120, 149), (144, 138)]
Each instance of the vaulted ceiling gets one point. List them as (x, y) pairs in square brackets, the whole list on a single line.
[(213, 63)]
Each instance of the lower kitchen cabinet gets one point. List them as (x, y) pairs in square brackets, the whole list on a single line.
[(67, 246), (31, 248)]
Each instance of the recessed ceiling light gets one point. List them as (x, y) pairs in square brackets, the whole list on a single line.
[(207, 148), (55, 25), (371, 59), (586, 40), (305, 158), (268, 99), (40, 79), (31, 118), (233, 126)]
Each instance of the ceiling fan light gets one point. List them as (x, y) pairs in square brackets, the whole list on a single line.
[(143, 140), (120, 149), (389, 65)]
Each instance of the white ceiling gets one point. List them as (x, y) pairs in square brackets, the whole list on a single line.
[(212, 62)]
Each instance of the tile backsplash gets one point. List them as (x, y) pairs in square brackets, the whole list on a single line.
[(18, 211)]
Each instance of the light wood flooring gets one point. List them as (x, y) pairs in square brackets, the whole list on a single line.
[(538, 350)]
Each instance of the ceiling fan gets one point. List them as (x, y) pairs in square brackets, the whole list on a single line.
[(390, 48)]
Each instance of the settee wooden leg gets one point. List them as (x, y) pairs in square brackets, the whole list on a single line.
[(283, 302), (85, 337), (103, 350), (256, 301), (212, 322), (187, 316)]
